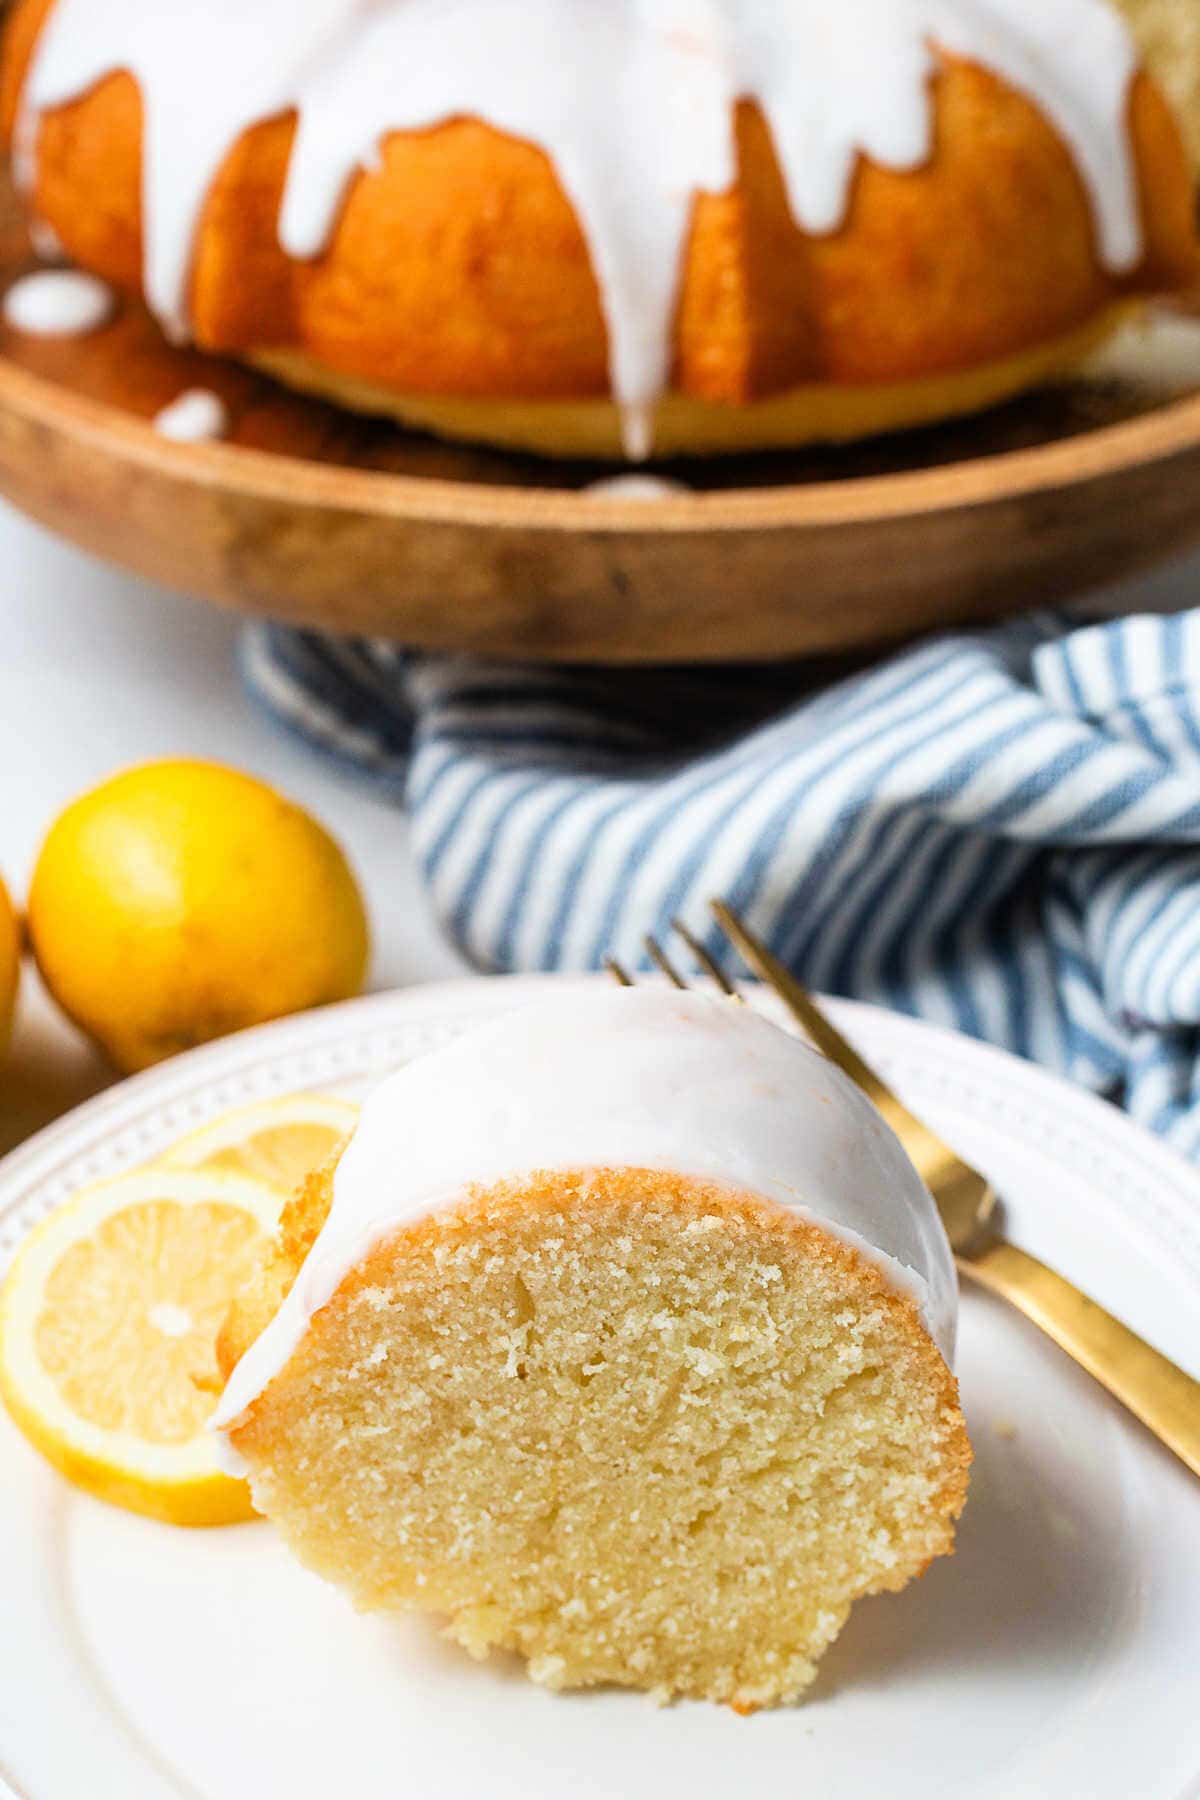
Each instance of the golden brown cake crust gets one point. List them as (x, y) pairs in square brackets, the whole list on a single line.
[(1168, 34), (299, 1226), (817, 412), (458, 268), (639, 1427), (306, 1212)]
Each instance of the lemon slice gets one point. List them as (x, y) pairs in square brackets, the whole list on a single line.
[(107, 1324), (276, 1141)]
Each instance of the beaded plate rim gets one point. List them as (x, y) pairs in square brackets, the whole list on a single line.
[(1134, 1175)]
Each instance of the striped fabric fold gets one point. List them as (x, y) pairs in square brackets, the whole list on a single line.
[(998, 831)]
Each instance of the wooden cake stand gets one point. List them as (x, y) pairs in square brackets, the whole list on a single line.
[(314, 516)]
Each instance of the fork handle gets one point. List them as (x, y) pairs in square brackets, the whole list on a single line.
[(1161, 1395)]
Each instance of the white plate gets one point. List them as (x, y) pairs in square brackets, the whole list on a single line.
[(1058, 1654)]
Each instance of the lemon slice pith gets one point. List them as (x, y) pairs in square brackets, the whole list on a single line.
[(107, 1318), (276, 1141)]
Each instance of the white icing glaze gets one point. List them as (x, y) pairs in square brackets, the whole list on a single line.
[(636, 487), (632, 99), (198, 416), (45, 240), (643, 1078), (58, 303)]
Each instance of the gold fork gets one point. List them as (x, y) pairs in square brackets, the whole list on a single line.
[(1159, 1393)]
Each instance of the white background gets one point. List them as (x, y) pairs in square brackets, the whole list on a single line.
[(98, 671)]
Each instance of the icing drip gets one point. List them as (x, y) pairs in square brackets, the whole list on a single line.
[(636, 487), (646, 1079), (58, 303), (196, 417), (45, 240), (632, 99)]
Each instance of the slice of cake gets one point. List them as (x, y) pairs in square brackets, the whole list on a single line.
[(617, 1337)]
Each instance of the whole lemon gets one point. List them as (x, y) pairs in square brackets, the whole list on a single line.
[(182, 900), (10, 962)]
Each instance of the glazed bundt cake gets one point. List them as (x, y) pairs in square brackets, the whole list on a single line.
[(678, 225), (1168, 36), (616, 1338)]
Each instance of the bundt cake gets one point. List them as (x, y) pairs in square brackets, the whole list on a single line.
[(670, 225), (1168, 36), (617, 1338)]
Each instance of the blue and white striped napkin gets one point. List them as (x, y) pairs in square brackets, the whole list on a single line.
[(997, 830)]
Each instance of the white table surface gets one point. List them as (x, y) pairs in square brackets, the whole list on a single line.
[(98, 671)]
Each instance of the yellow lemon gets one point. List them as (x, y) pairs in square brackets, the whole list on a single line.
[(108, 1321), (182, 900), (276, 1141), (10, 963)]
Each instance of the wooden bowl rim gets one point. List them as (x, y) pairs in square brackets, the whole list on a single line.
[(271, 477)]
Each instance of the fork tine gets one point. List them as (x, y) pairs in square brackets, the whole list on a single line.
[(940, 1167), (618, 971), (708, 963), (1155, 1390), (662, 961), (799, 1002)]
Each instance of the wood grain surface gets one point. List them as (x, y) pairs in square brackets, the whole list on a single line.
[(323, 518)]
